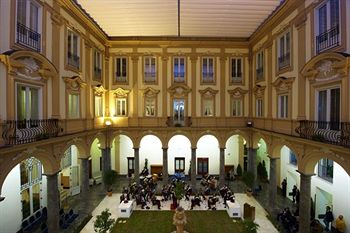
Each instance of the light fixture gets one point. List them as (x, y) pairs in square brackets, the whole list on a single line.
[(259, 144), (2, 198), (99, 145), (249, 124), (108, 122)]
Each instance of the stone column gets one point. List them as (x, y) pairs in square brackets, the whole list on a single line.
[(106, 159), (165, 165), (84, 175), (252, 160), (272, 183), (137, 164), (193, 168), (305, 202), (53, 207), (222, 166)]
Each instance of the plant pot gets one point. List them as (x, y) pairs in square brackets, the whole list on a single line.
[(249, 192), (109, 193)]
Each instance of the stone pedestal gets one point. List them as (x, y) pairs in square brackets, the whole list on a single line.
[(165, 165), (52, 203), (137, 164)]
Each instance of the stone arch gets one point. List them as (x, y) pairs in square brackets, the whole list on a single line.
[(100, 137), (149, 132), (208, 132), (276, 146), (50, 163), (256, 138), (80, 144), (311, 158), (182, 133), (126, 133), (243, 134)]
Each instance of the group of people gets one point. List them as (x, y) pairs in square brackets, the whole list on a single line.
[(290, 220)]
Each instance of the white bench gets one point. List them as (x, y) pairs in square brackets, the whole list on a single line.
[(96, 178), (125, 209), (233, 210)]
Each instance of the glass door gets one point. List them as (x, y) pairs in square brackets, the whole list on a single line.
[(179, 111)]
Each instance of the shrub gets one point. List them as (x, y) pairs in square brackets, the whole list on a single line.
[(103, 222)]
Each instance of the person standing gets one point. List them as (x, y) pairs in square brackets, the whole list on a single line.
[(297, 197), (340, 224), (294, 193), (284, 187), (328, 217)]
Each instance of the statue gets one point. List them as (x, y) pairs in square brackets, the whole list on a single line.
[(179, 220)]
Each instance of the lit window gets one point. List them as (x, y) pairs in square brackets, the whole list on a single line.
[(236, 70), (208, 106), (150, 106), (179, 164), (150, 69), (284, 50), (121, 70), (98, 106), (73, 106), (97, 65), (293, 158), (325, 169), (179, 69), (259, 108), (207, 70), (237, 107), (121, 109), (28, 102), (73, 49), (328, 108), (283, 106)]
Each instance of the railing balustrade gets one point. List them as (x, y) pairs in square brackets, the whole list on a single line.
[(328, 39), (73, 60), (186, 122), (259, 73), (28, 37), (284, 60)]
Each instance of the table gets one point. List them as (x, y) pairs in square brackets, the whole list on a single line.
[(233, 210), (125, 209)]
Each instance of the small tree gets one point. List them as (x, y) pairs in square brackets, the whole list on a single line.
[(249, 226), (248, 179), (239, 170), (179, 191), (109, 178), (103, 222)]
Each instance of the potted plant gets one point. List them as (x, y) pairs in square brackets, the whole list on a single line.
[(179, 192), (103, 222), (248, 179), (249, 226), (109, 178)]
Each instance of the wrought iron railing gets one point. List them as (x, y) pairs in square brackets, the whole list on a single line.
[(259, 73), (73, 60), (17, 132), (97, 73), (284, 60), (337, 133), (28, 37), (120, 79), (185, 122), (328, 39), (236, 78), (150, 77)]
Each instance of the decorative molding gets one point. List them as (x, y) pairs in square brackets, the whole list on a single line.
[(283, 84), (237, 92), (120, 92), (326, 67), (209, 92), (259, 91), (150, 92), (99, 90), (74, 83), (179, 90)]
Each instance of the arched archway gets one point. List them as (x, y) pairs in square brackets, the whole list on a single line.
[(208, 155), (123, 155), (150, 151), (236, 153), (288, 169), (179, 149), (262, 157)]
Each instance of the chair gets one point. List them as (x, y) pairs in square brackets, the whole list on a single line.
[(71, 213), (38, 216), (44, 228), (26, 227), (63, 225)]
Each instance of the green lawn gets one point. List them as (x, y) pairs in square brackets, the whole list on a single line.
[(162, 222)]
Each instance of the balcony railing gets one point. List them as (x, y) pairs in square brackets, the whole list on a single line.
[(259, 73), (25, 131), (186, 122), (73, 60), (328, 39), (97, 73), (28, 37), (337, 133), (236, 78), (284, 60), (120, 79), (150, 77)]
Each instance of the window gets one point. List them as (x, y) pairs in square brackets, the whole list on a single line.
[(283, 106), (208, 106), (150, 69), (150, 106), (202, 166), (325, 169), (121, 70), (73, 49), (208, 70), (31, 175), (328, 109), (66, 161), (97, 65), (237, 108), (179, 69), (283, 48), (29, 24), (260, 65), (98, 106), (28, 104), (179, 164), (259, 108), (179, 110), (327, 25), (73, 106), (131, 165), (236, 70), (293, 158), (120, 109)]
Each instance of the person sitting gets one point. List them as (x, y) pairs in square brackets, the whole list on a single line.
[(223, 190), (188, 192), (328, 217), (212, 200), (195, 201), (340, 224), (155, 201)]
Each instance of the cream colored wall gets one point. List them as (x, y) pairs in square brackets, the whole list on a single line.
[(3, 96)]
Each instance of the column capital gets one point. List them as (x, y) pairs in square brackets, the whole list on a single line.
[(136, 148), (222, 148), (193, 148), (52, 173), (165, 148), (304, 174), (272, 157)]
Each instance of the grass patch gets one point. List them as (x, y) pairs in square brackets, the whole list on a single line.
[(162, 222)]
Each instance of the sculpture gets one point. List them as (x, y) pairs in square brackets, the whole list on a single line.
[(179, 220)]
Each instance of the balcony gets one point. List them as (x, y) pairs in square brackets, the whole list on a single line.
[(337, 133), (186, 122), (260, 73), (328, 39), (150, 77), (236, 77), (120, 78), (28, 37), (17, 132), (97, 73), (207, 77), (284, 61), (73, 60)]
